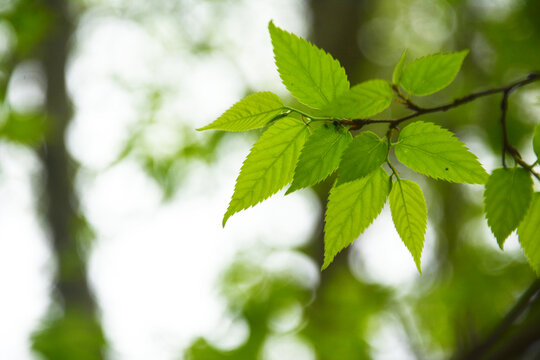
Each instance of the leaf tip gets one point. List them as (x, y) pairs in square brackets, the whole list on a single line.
[(291, 189), (327, 262), (418, 265), (225, 218), (500, 242), (398, 69)]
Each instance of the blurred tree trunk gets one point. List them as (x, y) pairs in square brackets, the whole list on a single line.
[(335, 29), (76, 334)]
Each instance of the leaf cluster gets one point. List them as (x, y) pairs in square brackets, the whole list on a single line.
[(303, 149)]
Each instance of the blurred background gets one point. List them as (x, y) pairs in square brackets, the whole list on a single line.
[(111, 243)]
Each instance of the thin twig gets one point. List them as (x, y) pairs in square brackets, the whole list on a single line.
[(505, 142)]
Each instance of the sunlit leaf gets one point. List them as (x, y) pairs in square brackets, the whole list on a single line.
[(253, 112), (507, 196), (352, 207), (366, 153), (320, 156), (433, 151), (409, 213), (312, 75), (270, 164)]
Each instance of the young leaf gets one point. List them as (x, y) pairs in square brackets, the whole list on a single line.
[(352, 207), (363, 100), (433, 151), (312, 76), (409, 213), (432, 73), (528, 232), (320, 156), (536, 142), (398, 70), (366, 153), (270, 164), (507, 196), (253, 112)]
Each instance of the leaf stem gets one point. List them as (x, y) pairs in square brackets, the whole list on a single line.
[(394, 171), (311, 117)]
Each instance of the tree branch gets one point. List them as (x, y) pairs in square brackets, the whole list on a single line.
[(532, 77), (496, 334)]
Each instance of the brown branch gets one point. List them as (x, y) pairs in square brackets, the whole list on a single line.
[(524, 339), (532, 77), (496, 334)]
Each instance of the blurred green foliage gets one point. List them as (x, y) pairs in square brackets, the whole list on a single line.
[(75, 334), (24, 128)]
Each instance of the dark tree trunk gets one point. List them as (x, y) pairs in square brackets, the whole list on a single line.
[(60, 207)]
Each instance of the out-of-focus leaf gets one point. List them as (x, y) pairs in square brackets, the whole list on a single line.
[(507, 197), (529, 232), (75, 335), (431, 73), (536, 142), (24, 128)]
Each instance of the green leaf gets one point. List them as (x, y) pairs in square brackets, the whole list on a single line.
[(409, 213), (366, 153), (253, 112), (361, 101), (433, 151), (312, 76), (270, 164), (536, 142), (320, 156), (432, 73), (352, 207), (507, 197), (528, 232), (398, 70)]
